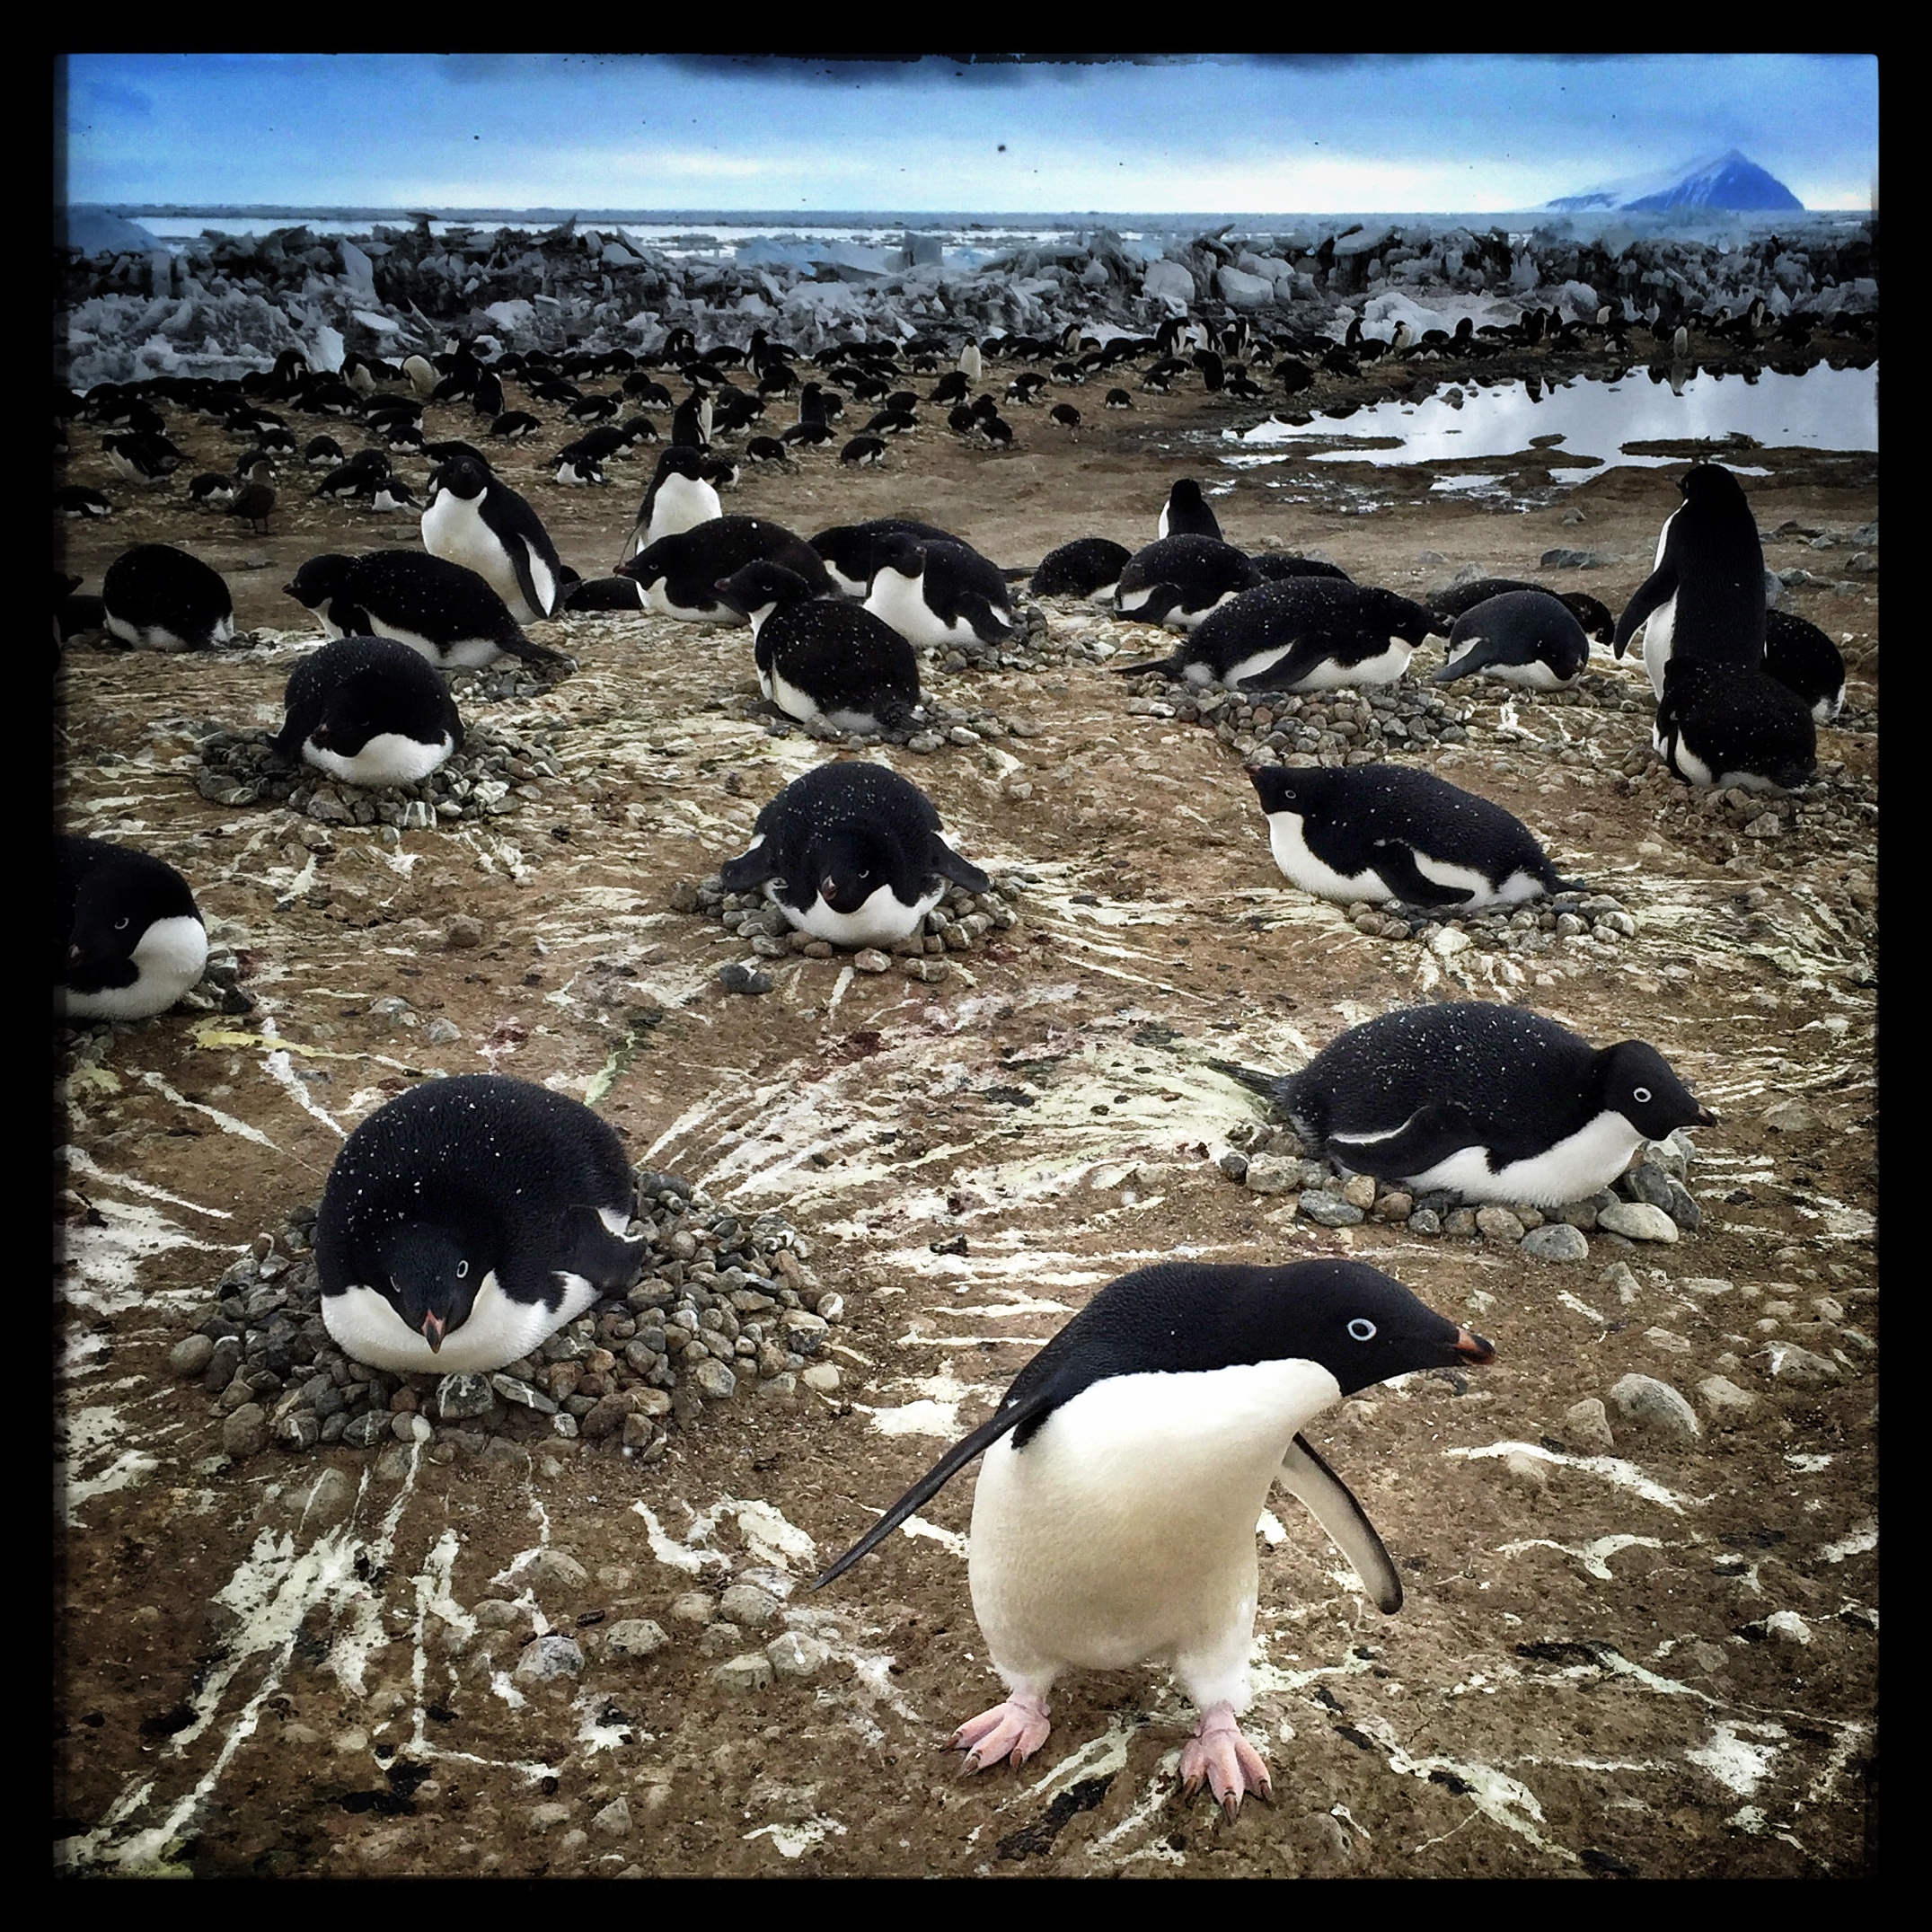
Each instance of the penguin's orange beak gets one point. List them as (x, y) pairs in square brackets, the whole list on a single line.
[(1468, 1342)]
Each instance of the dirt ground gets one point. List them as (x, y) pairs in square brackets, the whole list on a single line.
[(1655, 1659)]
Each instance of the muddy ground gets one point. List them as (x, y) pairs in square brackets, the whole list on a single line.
[(1656, 1658)]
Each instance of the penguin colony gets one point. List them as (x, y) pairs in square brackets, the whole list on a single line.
[(471, 1217)]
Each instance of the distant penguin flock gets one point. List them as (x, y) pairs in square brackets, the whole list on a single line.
[(469, 1218)]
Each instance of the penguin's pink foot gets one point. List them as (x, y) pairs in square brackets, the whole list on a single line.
[(1219, 1755), (1014, 1730)]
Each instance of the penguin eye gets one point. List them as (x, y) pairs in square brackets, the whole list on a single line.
[(1361, 1328), (1641, 1095), (121, 925), (463, 1271)]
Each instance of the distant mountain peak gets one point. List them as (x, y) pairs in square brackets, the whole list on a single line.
[(1730, 181)]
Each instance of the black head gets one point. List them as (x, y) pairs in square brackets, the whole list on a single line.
[(845, 866), (1710, 486), (681, 459), (1299, 790), (1638, 1082), (900, 553), (463, 477), (118, 899), (318, 580), (430, 1275), (760, 584)]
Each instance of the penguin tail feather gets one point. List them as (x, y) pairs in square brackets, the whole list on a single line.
[(1170, 666), (1276, 1089)]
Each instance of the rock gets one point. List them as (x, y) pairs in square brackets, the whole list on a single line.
[(795, 1654), (555, 1569), (548, 1659), (1557, 1240), (1271, 1174), (459, 1397), (192, 1354), (1359, 1191), (750, 1670), (1790, 1117), (1637, 1221), (1526, 1472), (493, 1613), (1587, 1426), (615, 1819), (712, 1380), (869, 959), (635, 1637), (747, 1605), (1788, 1626), (246, 1432), (1242, 291), (735, 977), (1330, 1210), (823, 1376), (1233, 1164), (462, 931), (1649, 1404), (547, 1817), (1170, 282), (1726, 1404), (1498, 1224), (695, 1606), (1788, 1364)]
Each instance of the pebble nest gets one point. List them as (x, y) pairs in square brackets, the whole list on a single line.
[(958, 924), (726, 1303), (1341, 727), (510, 677), (491, 776), (1649, 1204), (945, 725), (1836, 812)]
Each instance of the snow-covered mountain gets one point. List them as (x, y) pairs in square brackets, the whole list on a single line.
[(1726, 181)]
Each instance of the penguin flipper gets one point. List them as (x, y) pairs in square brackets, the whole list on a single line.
[(1396, 864), (1304, 656), (1656, 590), (1481, 653), (989, 624), (1169, 666), (948, 864), (588, 1247), (519, 553), (1333, 1504), (936, 1478), (1432, 1134)]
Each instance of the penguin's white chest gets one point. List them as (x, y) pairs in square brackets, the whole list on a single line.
[(365, 1325), (168, 961), (1575, 1168), (681, 504), (1299, 867), (1125, 1529), (389, 758), (901, 602), (884, 917), (1384, 667)]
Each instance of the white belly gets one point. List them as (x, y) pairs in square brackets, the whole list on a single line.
[(1251, 665), (1125, 1530), (1657, 629), (387, 759), (1299, 867), (466, 653), (168, 961), (897, 599), (1574, 1168), (799, 704), (1384, 668), (883, 920), (1534, 675), (499, 1331)]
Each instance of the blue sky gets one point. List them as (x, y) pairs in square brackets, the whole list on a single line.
[(1301, 134)]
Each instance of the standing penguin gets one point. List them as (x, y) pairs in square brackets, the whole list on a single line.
[(1126, 1466), (1383, 833), (680, 498), (161, 598), (128, 940), (821, 659), (851, 852), (1186, 513), (1493, 1102), (483, 524), (370, 711), (1524, 637), (467, 1220), (1705, 598)]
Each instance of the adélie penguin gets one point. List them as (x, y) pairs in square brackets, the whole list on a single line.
[(467, 1220), (1524, 637), (480, 522), (370, 711), (1127, 1466), (1804, 659), (1705, 597), (1490, 1102), (680, 497), (1384, 833), (851, 852), (678, 576), (128, 940), (934, 593), (1178, 580), (822, 660), (1301, 633), (850, 550), (161, 598), (441, 609), (1186, 513), (1718, 724), (1448, 605)]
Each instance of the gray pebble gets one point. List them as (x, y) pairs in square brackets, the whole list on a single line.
[(548, 1659), (635, 1637), (1498, 1223), (615, 1819), (1649, 1404), (1727, 1406), (1271, 1174), (735, 977), (747, 1605), (461, 1397), (695, 1606), (1637, 1221), (1788, 1364), (556, 1568), (1330, 1210), (192, 1354), (794, 1654), (1557, 1240), (1587, 1426), (750, 1670), (245, 1431)]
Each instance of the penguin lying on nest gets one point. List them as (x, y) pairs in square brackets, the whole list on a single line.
[(1115, 1518)]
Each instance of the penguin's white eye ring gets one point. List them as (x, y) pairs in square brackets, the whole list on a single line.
[(1361, 1328), (463, 1271), (1640, 1094), (121, 925)]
